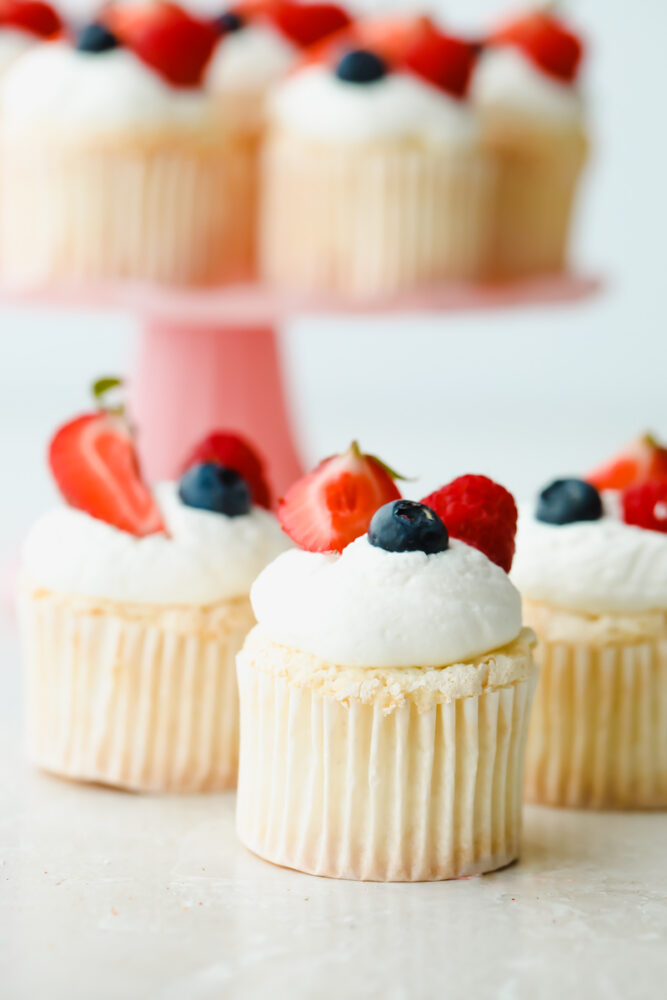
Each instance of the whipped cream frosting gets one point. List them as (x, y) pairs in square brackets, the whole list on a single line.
[(250, 60), (506, 79), (594, 567), (206, 557), (371, 608), (56, 84), (13, 43), (316, 104)]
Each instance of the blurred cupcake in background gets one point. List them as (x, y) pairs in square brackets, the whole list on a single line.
[(374, 177), (591, 564), (526, 89), (22, 24), (133, 605)]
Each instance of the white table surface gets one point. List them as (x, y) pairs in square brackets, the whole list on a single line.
[(107, 895)]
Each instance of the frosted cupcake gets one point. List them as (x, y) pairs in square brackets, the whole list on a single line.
[(374, 178), (23, 23), (385, 691), (526, 88), (592, 570), (115, 166), (132, 609)]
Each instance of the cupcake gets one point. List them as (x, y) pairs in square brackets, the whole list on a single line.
[(23, 23), (592, 569), (374, 178), (385, 691), (526, 89), (132, 607), (115, 165)]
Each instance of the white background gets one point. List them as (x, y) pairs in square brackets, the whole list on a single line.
[(522, 395)]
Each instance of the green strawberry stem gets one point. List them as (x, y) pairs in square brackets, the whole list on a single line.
[(358, 453), (101, 389)]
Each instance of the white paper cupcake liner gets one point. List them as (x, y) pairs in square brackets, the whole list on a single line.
[(348, 791), (598, 735), (142, 699)]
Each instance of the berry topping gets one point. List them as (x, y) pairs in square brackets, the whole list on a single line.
[(393, 37), (480, 513), (31, 15), (331, 506), (641, 460), (444, 61), (95, 38), (360, 66), (546, 42), (568, 500), (406, 526), (307, 23), (234, 452), (210, 486), (646, 505), (95, 465), (229, 22), (172, 42)]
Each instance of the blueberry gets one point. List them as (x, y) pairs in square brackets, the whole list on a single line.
[(361, 66), (229, 22), (95, 38), (210, 486), (567, 500), (406, 526)]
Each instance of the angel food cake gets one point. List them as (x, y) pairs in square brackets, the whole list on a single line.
[(133, 606), (386, 689), (591, 564)]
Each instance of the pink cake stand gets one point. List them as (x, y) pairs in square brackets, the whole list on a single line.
[(211, 358)]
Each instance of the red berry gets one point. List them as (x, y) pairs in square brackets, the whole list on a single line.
[(444, 61), (234, 452), (307, 23), (331, 506), (31, 15), (642, 459), (95, 465), (481, 513), (546, 41), (646, 505), (174, 43)]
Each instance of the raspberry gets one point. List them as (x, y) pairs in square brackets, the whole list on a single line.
[(645, 505)]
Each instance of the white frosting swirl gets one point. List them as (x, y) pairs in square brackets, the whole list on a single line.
[(250, 59), (13, 43), (371, 608), (56, 85), (207, 557), (506, 80), (316, 104), (594, 567)]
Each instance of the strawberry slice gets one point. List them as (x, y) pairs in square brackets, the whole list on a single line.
[(442, 60), (546, 42), (645, 505), (234, 452), (307, 23), (95, 465), (37, 18), (388, 37), (641, 460), (331, 506)]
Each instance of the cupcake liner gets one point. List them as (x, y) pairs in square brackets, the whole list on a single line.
[(598, 735), (159, 211), (373, 220), (349, 790), (141, 698)]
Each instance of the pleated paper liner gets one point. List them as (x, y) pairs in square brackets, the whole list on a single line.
[(142, 698), (373, 220), (349, 789), (598, 735)]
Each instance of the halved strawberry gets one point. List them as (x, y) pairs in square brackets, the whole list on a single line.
[(234, 452), (645, 505), (546, 41), (442, 60), (95, 465), (37, 18), (307, 23), (643, 459), (388, 37), (331, 506)]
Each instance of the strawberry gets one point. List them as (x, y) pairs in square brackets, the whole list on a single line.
[(645, 505), (95, 465), (168, 39), (331, 506), (642, 459), (234, 452), (480, 513), (307, 23), (546, 42), (389, 38), (442, 60), (37, 18)]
